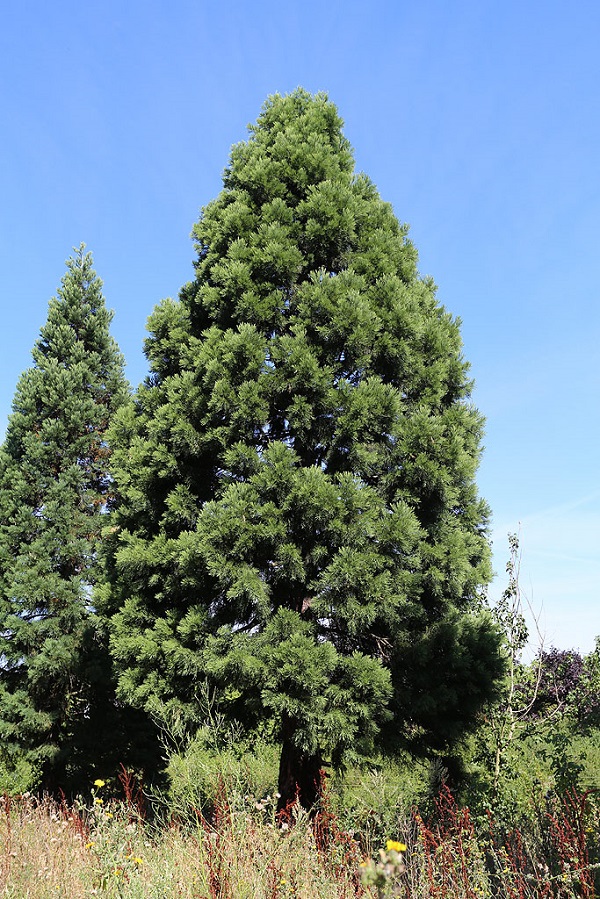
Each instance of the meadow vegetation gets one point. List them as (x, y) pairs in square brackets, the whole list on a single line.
[(403, 827), (378, 832)]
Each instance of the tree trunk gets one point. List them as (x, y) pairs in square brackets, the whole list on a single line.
[(299, 775)]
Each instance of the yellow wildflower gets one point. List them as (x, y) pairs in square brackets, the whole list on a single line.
[(98, 801), (99, 783), (394, 846)]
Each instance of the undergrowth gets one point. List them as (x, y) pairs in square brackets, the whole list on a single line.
[(244, 850)]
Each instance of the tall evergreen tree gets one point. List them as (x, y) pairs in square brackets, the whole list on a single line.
[(299, 523), (55, 489)]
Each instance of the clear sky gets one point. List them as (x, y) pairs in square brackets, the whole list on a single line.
[(479, 121)]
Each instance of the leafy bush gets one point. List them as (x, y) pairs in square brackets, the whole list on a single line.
[(199, 774), (17, 776), (373, 802)]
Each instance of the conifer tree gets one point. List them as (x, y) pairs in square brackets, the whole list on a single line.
[(299, 523), (55, 490)]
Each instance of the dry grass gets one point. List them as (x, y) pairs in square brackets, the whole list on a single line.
[(48, 850), (105, 849)]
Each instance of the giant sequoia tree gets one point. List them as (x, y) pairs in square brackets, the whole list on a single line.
[(55, 488), (299, 524)]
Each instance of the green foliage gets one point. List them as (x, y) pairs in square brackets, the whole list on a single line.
[(298, 519), (539, 739), (563, 683), (566, 766), (218, 759), (506, 716), (549, 761), (198, 775), (55, 492), (374, 799), (586, 748), (17, 774)]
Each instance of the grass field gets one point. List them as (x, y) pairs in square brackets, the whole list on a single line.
[(243, 851)]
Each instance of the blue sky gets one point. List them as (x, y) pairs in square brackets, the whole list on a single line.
[(479, 121)]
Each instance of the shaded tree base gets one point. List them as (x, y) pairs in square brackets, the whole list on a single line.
[(300, 776)]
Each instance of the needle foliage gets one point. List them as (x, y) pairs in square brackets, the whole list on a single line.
[(299, 525), (57, 708)]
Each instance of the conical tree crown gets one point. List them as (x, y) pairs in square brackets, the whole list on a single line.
[(299, 513), (55, 487)]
